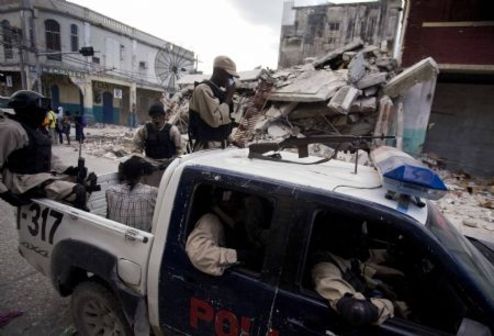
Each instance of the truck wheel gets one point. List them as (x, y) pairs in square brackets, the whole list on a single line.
[(97, 312)]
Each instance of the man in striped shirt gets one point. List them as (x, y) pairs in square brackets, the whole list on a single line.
[(131, 202)]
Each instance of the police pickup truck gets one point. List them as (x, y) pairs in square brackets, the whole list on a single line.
[(121, 278)]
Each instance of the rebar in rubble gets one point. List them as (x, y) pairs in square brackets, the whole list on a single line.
[(255, 105)]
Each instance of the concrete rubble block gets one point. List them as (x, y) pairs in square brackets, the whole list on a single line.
[(353, 118), (371, 80), (337, 53), (368, 105), (347, 56), (343, 99), (273, 112), (311, 86), (371, 91), (422, 71), (363, 127), (356, 68), (278, 130)]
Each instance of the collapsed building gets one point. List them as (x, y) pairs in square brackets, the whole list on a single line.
[(357, 89)]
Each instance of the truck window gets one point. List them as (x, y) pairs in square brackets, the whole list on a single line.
[(393, 264), (245, 221)]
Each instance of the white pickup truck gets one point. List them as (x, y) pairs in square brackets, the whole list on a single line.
[(113, 271)]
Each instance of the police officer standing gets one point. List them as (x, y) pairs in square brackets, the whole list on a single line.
[(28, 168), (157, 138), (210, 106)]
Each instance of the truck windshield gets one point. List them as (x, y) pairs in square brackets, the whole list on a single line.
[(462, 250)]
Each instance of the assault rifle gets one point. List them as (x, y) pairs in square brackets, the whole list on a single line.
[(91, 181), (356, 142)]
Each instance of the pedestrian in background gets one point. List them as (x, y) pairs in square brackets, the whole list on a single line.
[(66, 126), (80, 123), (59, 127), (51, 125)]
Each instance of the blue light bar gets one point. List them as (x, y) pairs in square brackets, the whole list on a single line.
[(402, 174)]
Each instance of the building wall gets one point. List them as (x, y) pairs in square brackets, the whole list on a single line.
[(465, 30), (126, 58), (462, 127), (316, 30)]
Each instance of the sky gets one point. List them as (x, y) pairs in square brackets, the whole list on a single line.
[(248, 31)]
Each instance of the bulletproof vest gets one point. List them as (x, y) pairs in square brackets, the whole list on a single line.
[(200, 130), (35, 157), (158, 144)]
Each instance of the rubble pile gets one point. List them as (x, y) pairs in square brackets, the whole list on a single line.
[(469, 203), (340, 93)]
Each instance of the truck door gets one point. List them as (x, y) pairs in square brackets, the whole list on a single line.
[(238, 302), (300, 310)]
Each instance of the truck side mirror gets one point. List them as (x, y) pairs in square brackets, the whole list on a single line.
[(471, 327)]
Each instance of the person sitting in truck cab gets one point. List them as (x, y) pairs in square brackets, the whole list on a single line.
[(28, 167), (231, 233), (346, 273), (131, 202)]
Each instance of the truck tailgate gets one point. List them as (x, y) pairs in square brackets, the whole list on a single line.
[(45, 223)]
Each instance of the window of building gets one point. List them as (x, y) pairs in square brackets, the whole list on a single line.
[(7, 39), (74, 37), (96, 60), (52, 33), (334, 26), (122, 52), (143, 65)]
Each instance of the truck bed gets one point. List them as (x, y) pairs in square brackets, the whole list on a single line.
[(97, 201)]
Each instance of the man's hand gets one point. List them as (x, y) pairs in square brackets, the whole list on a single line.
[(230, 90), (14, 199)]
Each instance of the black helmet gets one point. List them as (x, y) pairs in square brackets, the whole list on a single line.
[(156, 108), (28, 100), (30, 107)]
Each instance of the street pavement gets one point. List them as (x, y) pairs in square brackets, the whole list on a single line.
[(22, 288)]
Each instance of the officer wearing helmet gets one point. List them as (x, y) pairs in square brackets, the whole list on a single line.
[(28, 168)]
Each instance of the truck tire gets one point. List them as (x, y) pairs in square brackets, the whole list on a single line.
[(96, 311)]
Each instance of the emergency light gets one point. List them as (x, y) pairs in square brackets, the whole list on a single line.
[(402, 174)]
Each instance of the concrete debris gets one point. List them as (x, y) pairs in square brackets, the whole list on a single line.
[(343, 99), (420, 72), (356, 68), (335, 58), (310, 86), (371, 80)]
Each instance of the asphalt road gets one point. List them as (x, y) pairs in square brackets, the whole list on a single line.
[(22, 288)]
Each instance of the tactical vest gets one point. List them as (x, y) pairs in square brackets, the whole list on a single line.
[(158, 144), (35, 157), (200, 130)]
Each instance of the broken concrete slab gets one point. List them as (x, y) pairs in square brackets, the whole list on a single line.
[(343, 99), (372, 91), (311, 86), (368, 105), (422, 71), (278, 130), (356, 68), (337, 53), (371, 80)]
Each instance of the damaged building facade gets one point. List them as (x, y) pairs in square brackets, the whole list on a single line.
[(459, 35), (129, 70), (310, 31)]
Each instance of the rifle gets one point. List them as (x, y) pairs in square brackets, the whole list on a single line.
[(258, 150), (91, 181)]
